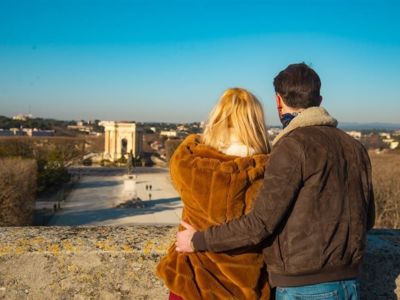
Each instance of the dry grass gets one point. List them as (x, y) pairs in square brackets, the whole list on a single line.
[(17, 191), (386, 179)]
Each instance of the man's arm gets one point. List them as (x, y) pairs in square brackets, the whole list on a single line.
[(371, 197), (282, 181), (371, 211), (371, 203)]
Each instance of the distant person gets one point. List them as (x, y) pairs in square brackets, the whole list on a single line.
[(218, 175), (315, 205)]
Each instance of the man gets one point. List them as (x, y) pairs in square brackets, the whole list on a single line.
[(316, 203)]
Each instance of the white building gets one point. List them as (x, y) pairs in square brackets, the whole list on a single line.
[(22, 117), (394, 145), (385, 135), (182, 128), (169, 133), (80, 127), (396, 133), (38, 132), (355, 134)]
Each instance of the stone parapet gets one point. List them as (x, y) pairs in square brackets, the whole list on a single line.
[(119, 262)]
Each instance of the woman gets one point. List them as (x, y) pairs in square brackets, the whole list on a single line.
[(218, 175)]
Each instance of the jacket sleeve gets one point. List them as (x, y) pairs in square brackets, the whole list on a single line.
[(281, 184)]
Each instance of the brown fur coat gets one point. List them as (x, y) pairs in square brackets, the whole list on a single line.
[(214, 188)]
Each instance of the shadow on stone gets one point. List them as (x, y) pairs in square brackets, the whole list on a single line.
[(381, 267), (150, 203), (87, 217), (97, 184)]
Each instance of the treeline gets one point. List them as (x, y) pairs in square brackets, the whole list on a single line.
[(39, 123), (52, 156)]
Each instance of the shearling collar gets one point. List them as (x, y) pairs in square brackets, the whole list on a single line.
[(312, 116)]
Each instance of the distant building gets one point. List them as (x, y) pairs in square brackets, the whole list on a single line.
[(81, 127), (6, 132), (393, 145), (169, 133), (385, 135), (273, 132), (38, 132), (26, 132), (17, 131), (396, 133), (156, 145), (182, 128), (22, 117), (121, 138), (388, 141), (355, 134)]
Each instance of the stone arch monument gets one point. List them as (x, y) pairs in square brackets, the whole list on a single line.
[(120, 139)]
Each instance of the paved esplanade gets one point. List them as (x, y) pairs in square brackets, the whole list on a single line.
[(93, 200)]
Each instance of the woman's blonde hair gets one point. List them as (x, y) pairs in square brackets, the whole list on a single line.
[(237, 112)]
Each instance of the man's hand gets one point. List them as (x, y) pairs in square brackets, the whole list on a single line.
[(184, 238)]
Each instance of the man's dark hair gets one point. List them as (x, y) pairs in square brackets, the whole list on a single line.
[(299, 86)]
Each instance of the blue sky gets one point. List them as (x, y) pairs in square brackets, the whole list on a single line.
[(171, 60)]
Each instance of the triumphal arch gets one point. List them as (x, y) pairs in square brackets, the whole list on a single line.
[(120, 139)]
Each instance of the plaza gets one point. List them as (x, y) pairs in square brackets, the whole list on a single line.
[(94, 199)]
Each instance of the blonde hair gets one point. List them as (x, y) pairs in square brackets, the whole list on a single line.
[(237, 112)]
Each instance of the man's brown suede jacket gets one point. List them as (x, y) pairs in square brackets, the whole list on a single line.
[(314, 208)]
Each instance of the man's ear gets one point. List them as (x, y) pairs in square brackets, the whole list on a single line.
[(279, 104), (279, 100)]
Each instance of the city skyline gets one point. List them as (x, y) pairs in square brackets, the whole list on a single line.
[(153, 61)]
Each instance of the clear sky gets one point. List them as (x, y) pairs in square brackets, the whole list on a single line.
[(171, 60)]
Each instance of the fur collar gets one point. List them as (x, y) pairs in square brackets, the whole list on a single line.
[(312, 116), (192, 154), (198, 149)]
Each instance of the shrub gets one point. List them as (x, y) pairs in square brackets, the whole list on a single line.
[(17, 191), (51, 175), (87, 162), (386, 174), (122, 160), (52, 154), (12, 147), (170, 147)]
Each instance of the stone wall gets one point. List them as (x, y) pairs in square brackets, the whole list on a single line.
[(119, 263)]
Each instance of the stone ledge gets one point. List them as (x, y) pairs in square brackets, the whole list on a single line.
[(82, 262), (119, 262)]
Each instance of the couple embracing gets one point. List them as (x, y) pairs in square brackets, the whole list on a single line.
[(286, 221)]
